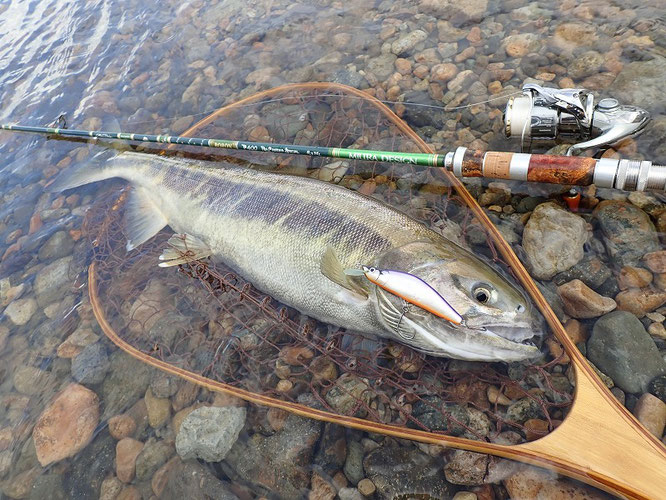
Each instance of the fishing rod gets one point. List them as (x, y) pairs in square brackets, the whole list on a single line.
[(538, 114)]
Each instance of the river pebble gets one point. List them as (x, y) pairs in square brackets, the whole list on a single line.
[(159, 409), (553, 240), (121, 426), (581, 302), (127, 450), (466, 468), (90, 366), (66, 425), (621, 348), (209, 432), (651, 412), (20, 311), (640, 301)]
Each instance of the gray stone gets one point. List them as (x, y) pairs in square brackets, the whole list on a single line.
[(20, 311), (90, 467), (353, 468), (193, 481), (57, 246), (522, 410), (657, 387), (53, 280), (153, 455), (621, 348), (641, 83), (346, 394), (48, 486), (586, 64), (553, 240), (91, 365), (209, 432), (280, 463), (432, 412), (126, 383), (591, 271), (467, 468), (164, 385), (407, 42), (396, 471), (382, 66), (458, 12), (628, 232), (349, 494)]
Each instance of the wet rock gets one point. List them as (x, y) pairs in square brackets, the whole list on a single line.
[(344, 397), (640, 83), (193, 481), (121, 426), (149, 307), (640, 301), (30, 380), (321, 488), (466, 468), (158, 409), (574, 34), (531, 482), (110, 488), (151, 458), (586, 64), (66, 425), (51, 280), (656, 261), (522, 410), (437, 416), (349, 494), (20, 311), (90, 467), (48, 486), (553, 240), (657, 387), (20, 485), (407, 42), (127, 450), (332, 450), (621, 348), (381, 66), (366, 487), (164, 385), (127, 382), (633, 277), (522, 44), (395, 471), (591, 270), (279, 463), (628, 232), (457, 12), (74, 344), (57, 246), (209, 432), (353, 467), (651, 412), (580, 301), (91, 365)]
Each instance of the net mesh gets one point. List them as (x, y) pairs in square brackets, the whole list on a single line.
[(204, 319)]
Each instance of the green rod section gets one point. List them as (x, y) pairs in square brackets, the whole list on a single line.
[(422, 159)]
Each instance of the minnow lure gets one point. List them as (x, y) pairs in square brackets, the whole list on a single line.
[(411, 289)]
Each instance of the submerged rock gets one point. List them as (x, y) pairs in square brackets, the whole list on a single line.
[(66, 425), (91, 365), (396, 471), (651, 412), (193, 481), (628, 232), (581, 302), (467, 468), (209, 432), (51, 280), (641, 84), (553, 240), (20, 311), (621, 348)]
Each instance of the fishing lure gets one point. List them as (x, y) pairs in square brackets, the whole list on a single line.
[(411, 289)]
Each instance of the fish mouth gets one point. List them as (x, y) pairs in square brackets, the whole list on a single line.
[(489, 343)]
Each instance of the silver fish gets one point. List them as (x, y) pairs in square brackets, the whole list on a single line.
[(293, 237)]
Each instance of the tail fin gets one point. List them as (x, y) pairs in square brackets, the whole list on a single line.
[(97, 169)]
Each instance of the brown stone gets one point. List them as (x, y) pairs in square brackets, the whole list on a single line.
[(67, 424), (404, 66), (495, 396), (161, 477), (557, 351), (127, 449), (633, 277), (576, 331), (640, 301), (657, 330), (580, 301), (276, 418), (651, 412), (366, 487), (530, 482), (121, 426), (259, 134), (129, 493), (158, 409), (185, 396), (535, 428), (443, 72), (321, 489), (656, 261), (660, 281)]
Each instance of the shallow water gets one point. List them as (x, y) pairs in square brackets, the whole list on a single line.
[(159, 69)]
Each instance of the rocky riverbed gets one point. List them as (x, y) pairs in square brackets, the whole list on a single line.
[(81, 419)]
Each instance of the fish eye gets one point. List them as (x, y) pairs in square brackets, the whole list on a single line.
[(482, 295), (520, 308)]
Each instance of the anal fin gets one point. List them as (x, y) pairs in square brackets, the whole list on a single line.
[(331, 267), (143, 219), (183, 248)]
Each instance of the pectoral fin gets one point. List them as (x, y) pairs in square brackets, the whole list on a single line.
[(183, 248), (143, 218), (332, 268)]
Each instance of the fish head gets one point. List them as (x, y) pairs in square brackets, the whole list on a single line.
[(499, 321)]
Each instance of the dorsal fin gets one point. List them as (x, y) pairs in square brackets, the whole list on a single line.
[(332, 268)]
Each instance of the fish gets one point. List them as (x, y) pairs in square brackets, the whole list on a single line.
[(292, 237)]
